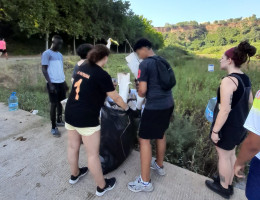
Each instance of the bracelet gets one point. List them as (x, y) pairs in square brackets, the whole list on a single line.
[(214, 132)]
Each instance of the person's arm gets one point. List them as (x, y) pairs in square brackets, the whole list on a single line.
[(107, 86), (117, 99), (142, 80), (142, 88), (251, 98), (45, 63), (227, 88), (250, 147), (46, 75)]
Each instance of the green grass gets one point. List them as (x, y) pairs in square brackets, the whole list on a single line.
[(187, 138)]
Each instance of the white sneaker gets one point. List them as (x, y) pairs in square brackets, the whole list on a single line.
[(138, 186), (159, 170)]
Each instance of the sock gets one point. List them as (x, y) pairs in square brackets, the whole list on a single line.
[(143, 182)]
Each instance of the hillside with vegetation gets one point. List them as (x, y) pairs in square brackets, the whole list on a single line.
[(210, 38)]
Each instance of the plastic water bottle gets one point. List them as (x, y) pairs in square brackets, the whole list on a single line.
[(13, 102), (210, 109)]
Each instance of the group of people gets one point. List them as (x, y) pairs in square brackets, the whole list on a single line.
[(91, 85)]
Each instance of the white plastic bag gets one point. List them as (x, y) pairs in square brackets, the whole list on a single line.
[(123, 82)]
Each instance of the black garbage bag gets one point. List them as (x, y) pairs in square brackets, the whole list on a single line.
[(118, 136)]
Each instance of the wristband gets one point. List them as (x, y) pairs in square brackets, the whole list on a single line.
[(214, 132)]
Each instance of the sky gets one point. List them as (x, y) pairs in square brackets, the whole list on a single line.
[(173, 11)]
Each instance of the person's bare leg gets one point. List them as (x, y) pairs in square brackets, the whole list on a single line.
[(160, 150), (73, 151), (91, 144), (146, 157), (233, 160), (224, 167)]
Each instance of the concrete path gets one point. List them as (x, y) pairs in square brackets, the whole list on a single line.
[(33, 165)]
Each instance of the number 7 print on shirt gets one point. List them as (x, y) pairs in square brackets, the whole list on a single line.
[(77, 86)]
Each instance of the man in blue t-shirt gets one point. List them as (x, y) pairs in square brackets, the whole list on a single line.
[(52, 68), (155, 117)]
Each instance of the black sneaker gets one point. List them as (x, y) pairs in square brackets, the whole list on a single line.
[(55, 132), (217, 180), (110, 184), (82, 172), (60, 124), (217, 188), (231, 189)]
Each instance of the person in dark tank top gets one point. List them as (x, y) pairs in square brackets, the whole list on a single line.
[(234, 96)]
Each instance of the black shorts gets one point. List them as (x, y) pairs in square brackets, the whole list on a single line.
[(60, 93), (154, 123), (230, 137), (3, 50)]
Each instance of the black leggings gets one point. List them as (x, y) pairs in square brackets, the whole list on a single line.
[(55, 106)]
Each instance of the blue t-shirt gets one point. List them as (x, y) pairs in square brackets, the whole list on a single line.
[(54, 60), (156, 97)]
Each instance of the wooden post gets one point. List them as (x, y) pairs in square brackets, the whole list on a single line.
[(74, 45)]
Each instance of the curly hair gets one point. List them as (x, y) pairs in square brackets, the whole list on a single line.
[(241, 53)]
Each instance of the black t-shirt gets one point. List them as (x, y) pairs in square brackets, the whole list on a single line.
[(87, 96), (156, 97), (240, 89)]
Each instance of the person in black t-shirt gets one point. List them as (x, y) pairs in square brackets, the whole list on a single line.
[(155, 118), (90, 87), (82, 52), (227, 131)]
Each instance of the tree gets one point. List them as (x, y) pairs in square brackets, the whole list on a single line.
[(96, 19), (36, 16), (72, 24)]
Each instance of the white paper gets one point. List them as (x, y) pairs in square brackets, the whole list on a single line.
[(133, 63)]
